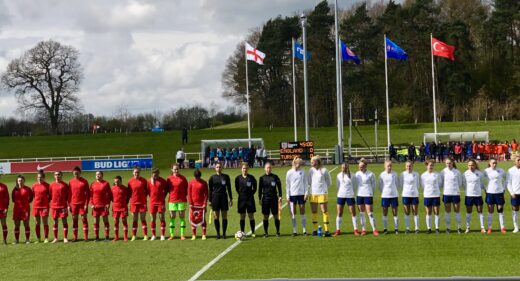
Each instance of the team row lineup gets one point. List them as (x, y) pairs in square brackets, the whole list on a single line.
[(356, 190)]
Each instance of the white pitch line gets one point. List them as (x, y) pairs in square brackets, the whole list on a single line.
[(229, 249)]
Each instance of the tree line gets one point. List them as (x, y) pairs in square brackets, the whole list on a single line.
[(482, 83)]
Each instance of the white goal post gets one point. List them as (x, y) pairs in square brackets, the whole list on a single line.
[(456, 136)]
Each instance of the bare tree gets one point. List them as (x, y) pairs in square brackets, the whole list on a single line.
[(46, 80)]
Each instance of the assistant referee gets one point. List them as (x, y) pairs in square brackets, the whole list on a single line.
[(245, 185), (270, 196)]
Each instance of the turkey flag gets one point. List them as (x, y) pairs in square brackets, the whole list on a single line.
[(442, 49)]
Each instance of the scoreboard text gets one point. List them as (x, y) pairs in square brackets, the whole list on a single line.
[(291, 150)]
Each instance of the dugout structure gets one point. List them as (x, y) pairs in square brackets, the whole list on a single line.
[(456, 136), (229, 143)]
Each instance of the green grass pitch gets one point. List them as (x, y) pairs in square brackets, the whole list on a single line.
[(392, 255)]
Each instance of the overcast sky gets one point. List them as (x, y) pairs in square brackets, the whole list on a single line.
[(148, 55)]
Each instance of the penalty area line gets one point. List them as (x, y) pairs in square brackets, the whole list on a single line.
[(203, 270)]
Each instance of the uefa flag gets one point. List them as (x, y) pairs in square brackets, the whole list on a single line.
[(298, 52), (393, 51)]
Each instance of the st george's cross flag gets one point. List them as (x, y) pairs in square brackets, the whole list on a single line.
[(442, 49), (254, 54)]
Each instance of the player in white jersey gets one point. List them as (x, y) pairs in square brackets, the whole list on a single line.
[(513, 186), (297, 190), (495, 188), (319, 180), (473, 183), (431, 183), (388, 181), (365, 196), (347, 187), (452, 182), (409, 181)]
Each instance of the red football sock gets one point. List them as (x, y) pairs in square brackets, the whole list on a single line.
[(65, 230), (96, 230), (46, 231), (204, 228), (116, 228), (145, 227), (163, 227), (85, 228), (125, 230), (152, 225), (37, 230), (134, 228), (17, 233), (107, 230), (27, 232), (55, 230), (4, 231), (75, 228)]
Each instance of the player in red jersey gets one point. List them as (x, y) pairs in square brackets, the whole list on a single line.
[(158, 189), (22, 197), (41, 206), (198, 199), (100, 198), (4, 206), (139, 191), (120, 199), (60, 200), (178, 188), (79, 202)]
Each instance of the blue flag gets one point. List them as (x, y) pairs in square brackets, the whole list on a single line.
[(393, 51), (298, 52), (347, 54)]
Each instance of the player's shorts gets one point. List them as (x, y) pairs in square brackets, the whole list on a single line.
[(219, 202), (365, 200), (455, 199), (387, 202), (120, 214), (100, 212), (138, 208), (515, 201), (77, 209), (320, 198), (297, 199), (40, 212), (349, 201), (270, 207), (20, 215), (432, 201), (410, 200), (154, 209), (246, 205), (3, 214), (495, 199), (178, 206), (473, 201), (59, 213)]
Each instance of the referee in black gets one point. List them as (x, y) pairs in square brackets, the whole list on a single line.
[(219, 190), (245, 185), (270, 196)]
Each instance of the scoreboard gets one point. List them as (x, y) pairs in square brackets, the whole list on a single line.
[(293, 149)]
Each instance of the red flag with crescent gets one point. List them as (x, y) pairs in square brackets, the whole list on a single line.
[(197, 215), (442, 49)]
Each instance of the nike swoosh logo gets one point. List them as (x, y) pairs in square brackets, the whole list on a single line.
[(43, 168)]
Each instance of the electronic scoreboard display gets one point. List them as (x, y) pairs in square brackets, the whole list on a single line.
[(293, 149)]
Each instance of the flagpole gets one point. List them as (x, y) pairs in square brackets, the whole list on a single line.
[(305, 97), (433, 83), (294, 92), (247, 101), (339, 149), (350, 130), (342, 124), (387, 105)]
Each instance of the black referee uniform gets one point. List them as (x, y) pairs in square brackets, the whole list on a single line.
[(219, 190), (246, 189), (269, 193)]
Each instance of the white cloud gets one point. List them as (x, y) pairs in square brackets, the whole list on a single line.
[(148, 55)]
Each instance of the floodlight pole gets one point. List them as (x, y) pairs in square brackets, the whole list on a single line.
[(305, 90)]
